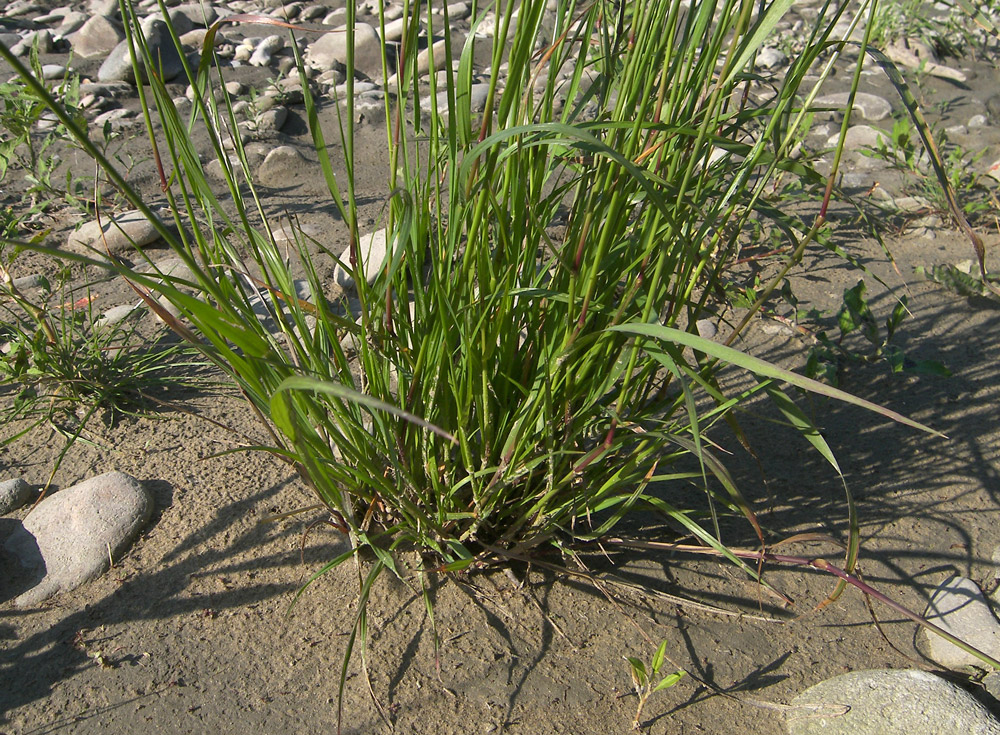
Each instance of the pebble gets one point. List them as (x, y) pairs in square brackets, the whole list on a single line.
[(770, 58), (13, 494), (424, 57), (888, 702), (372, 251), (872, 107), (908, 56), (118, 66), (116, 315), (858, 137), (706, 328), (198, 14), (35, 280), (271, 121), (959, 607), (115, 117), (122, 232), (71, 22), (977, 121), (266, 50), (330, 50), (282, 167), (43, 38), (53, 72), (69, 536)]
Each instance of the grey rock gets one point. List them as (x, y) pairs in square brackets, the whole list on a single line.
[(914, 55), (707, 328), (22, 7), (331, 50), (373, 251), (35, 280), (424, 57), (288, 11), (858, 137), (116, 315), (331, 77), (54, 71), (858, 180), (121, 232), (108, 8), (266, 50), (977, 121), (71, 22), (959, 607), (181, 23), (117, 117), (68, 538), (771, 58), (271, 120), (195, 38), (459, 11), (991, 683), (43, 38), (872, 107), (313, 12), (13, 494), (337, 17), (888, 702), (993, 106), (283, 166), (198, 14), (478, 95), (118, 66), (394, 30)]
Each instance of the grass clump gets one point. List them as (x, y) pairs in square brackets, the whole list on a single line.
[(62, 362), (523, 368)]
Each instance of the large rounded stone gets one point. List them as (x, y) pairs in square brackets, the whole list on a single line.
[(118, 66), (97, 37), (331, 49), (959, 607), (117, 233), (888, 702), (70, 537), (13, 494)]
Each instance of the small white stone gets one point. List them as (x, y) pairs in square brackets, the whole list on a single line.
[(959, 607), (372, 249)]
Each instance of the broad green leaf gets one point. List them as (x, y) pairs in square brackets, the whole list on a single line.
[(763, 369), (669, 681)]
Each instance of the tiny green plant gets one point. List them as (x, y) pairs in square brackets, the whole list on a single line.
[(903, 149), (959, 279), (647, 682), (29, 146), (64, 362), (828, 357), (898, 20)]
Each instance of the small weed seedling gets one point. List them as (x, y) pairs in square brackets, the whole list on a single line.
[(647, 682), (828, 357), (901, 148), (65, 362)]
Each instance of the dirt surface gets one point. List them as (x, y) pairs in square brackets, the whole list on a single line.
[(192, 631)]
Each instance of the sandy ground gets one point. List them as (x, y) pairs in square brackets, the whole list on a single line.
[(193, 631)]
